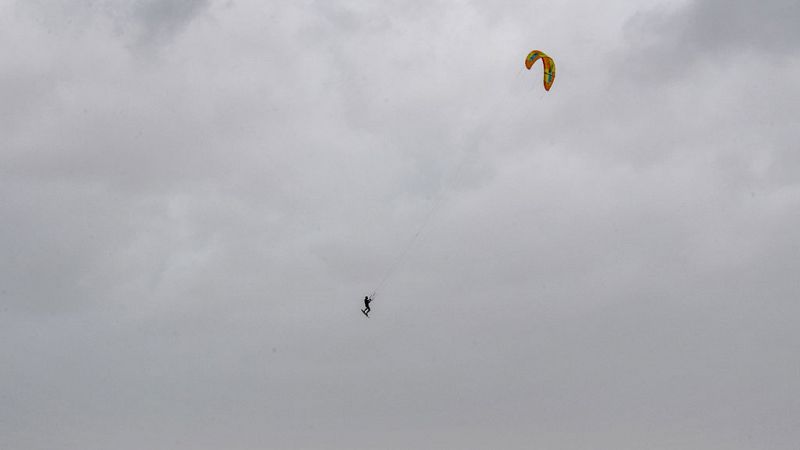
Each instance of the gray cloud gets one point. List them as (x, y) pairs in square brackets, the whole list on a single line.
[(164, 18), (738, 34), (144, 25)]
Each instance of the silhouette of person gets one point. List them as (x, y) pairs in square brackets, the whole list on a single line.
[(366, 309)]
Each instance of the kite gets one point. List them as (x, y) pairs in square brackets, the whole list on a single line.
[(549, 66)]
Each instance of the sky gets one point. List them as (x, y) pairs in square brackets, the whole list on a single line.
[(197, 194)]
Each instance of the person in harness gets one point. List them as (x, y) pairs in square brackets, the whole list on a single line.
[(366, 310)]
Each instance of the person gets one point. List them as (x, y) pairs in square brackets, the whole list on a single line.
[(366, 309)]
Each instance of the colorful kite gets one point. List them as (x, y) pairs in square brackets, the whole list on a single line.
[(549, 66)]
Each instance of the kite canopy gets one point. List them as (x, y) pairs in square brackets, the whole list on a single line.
[(549, 66)]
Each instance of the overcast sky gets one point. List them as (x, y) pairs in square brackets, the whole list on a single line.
[(196, 195)]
